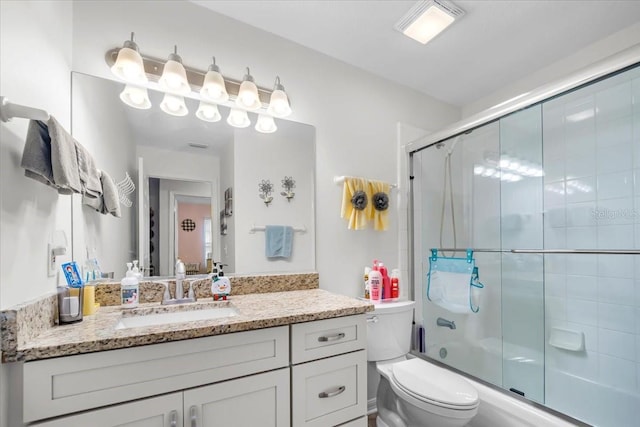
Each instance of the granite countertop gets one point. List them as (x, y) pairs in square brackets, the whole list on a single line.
[(255, 311)]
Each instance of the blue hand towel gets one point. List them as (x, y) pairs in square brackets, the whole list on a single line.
[(278, 241)]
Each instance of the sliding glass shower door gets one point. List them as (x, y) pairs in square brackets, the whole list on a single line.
[(546, 197)]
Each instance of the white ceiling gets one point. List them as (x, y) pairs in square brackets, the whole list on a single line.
[(494, 44)]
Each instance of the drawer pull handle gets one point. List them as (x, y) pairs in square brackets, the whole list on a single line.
[(334, 337), (194, 416), (331, 393), (372, 319), (174, 418)]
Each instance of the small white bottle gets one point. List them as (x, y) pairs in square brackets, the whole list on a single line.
[(129, 289), (181, 273)]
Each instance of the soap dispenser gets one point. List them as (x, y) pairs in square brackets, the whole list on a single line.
[(129, 288), (181, 273)]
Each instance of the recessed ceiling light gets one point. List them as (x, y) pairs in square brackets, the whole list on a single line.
[(427, 19)]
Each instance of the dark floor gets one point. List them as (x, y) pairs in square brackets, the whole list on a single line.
[(372, 420)]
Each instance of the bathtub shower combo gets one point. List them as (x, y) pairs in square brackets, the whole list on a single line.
[(548, 198)]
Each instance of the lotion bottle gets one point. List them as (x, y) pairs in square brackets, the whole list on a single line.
[(375, 283), (395, 283), (386, 281)]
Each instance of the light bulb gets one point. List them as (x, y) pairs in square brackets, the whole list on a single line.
[(129, 65), (248, 97), (174, 76), (213, 87), (208, 112), (279, 105), (266, 124), (174, 105), (136, 97), (238, 118)]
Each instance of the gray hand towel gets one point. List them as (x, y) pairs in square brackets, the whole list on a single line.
[(64, 160), (36, 156), (89, 174), (110, 196)]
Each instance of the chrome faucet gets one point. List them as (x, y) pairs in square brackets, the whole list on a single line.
[(444, 322)]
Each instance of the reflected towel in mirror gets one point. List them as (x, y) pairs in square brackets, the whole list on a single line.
[(278, 241)]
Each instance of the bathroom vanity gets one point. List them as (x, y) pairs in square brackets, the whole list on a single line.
[(293, 358)]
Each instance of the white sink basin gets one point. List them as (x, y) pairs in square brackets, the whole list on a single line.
[(154, 319)]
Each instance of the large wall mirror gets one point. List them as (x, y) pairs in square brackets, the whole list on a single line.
[(197, 192)]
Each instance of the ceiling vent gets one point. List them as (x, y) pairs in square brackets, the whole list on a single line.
[(428, 18)]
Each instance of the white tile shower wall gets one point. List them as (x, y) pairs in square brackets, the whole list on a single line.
[(591, 147)]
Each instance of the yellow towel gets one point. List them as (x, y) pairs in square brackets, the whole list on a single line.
[(379, 204), (357, 217)]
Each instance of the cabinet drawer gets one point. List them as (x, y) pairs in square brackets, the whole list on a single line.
[(65, 385), (325, 338), (330, 391)]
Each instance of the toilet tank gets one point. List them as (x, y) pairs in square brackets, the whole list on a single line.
[(389, 330)]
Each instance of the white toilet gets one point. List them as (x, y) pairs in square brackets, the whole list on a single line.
[(413, 392)]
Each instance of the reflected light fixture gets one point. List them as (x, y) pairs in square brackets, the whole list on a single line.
[(428, 18), (238, 118), (265, 124), (213, 88), (129, 65), (174, 76), (279, 105), (174, 105), (136, 97), (248, 97), (208, 112)]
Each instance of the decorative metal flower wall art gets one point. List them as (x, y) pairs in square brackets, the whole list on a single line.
[(288, 183), (265, 187)]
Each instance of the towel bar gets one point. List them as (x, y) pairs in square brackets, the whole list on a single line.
[(255, 228), (550, 251)]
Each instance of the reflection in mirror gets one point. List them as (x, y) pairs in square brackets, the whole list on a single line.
[(169, 157)]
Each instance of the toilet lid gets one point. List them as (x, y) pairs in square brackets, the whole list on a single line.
[(426, 381)]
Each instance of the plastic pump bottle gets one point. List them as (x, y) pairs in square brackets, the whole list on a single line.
[(367, 294), (129, 288), (181, 273), (375, 283), (395, 283)]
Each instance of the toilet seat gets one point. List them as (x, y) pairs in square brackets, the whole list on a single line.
[(433, 389)]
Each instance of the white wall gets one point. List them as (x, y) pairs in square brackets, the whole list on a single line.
[(227, 241), (355, 113), (100, 125), (35, 61), (595, 52), (253, 162)]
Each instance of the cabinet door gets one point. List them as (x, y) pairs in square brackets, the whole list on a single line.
[(258, 400), (162, 411)]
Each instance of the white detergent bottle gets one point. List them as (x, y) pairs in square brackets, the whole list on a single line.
[(129, 289), (375, 284)]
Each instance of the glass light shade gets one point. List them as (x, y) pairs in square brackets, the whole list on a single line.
[(432, 22), (208, 112), (248, 96), (174, 105), (174, 78), (266, 124), (238, 118), (214, 88), (129, 66), (279, 104), (136, 97)]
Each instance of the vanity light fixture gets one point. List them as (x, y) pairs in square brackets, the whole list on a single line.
[(209, 87), (279, 105), (129, 65), (428, 18), (213, 87), (208, 112), (174, 105), (265, 124), (174, 76), (136, 97), (238, 118), (248, 97)]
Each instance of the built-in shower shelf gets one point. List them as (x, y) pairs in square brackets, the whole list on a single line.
[(567, 339)]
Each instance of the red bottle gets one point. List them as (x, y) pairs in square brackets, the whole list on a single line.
[(386, 281), (395, 283)]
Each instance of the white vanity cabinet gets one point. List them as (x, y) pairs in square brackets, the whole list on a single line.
[(328, 376), (306, 374)]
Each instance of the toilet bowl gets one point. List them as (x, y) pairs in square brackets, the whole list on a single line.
[(413, 392)]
